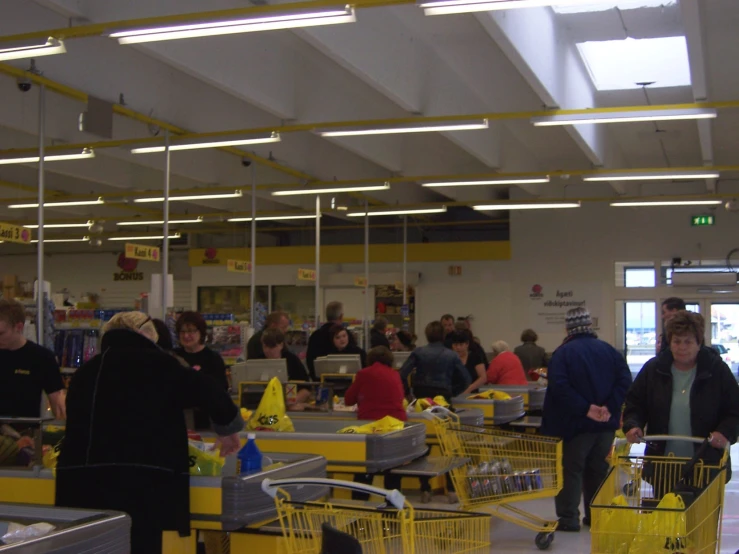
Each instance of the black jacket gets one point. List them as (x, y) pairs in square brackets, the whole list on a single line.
[(320, 344), (125, 446), (378, 338), (714, 401)]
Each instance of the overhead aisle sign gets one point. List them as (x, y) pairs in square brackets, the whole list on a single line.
[(14, 233), (306, 274), (142, 252)]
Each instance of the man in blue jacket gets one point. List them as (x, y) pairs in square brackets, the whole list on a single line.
[(588, 381)]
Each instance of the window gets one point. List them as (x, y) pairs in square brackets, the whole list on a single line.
[(641, 333), (639, 277), (620, 4), (621, 64)]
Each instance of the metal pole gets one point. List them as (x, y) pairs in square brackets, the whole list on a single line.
[(40, 236), (318, 260), (253, 246), (165, 242), (405, 260), (366, 277)]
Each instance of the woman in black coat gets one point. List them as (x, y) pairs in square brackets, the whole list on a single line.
[(125, 446)]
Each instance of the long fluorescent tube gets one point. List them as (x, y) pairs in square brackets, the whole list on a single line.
[(213, 28), (59, 204), (666, 203), (624, 117), (158, 237), (417, 128), (272, 218), (330, 190), (85, 154), (60, 225), (400, 212), (486, 182), (446, 7), (652, 176), (83, 239), (161, 222), (49, 48), (235, 194), (532, 206), (274, 137)]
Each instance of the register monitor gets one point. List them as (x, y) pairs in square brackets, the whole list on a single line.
[(348, 364), (399, 359), (258, 370)]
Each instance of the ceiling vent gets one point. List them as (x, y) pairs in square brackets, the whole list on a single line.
[(704, 279)]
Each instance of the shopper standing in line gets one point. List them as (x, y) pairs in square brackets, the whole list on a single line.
[(447, 322), (275, 320), (505, 367), (191, 331), (403, 342), (463, 326), (377, 334), (588, 382), (670, 307), (532, 355), (125, 446), (320, 342)]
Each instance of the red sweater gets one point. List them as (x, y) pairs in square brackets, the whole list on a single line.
[(379, 392), (506, 369)]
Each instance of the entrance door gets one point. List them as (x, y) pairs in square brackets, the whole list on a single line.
[(640, 335)]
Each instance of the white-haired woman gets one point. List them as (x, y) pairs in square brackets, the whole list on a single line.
[(505, 367), (125, 446)]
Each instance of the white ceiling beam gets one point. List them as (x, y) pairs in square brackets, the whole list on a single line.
[(691, 14)]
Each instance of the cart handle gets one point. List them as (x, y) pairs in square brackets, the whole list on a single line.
[(653, 438), (431, 413), (394, 497)]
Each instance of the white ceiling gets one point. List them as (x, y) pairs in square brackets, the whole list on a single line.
[(393, 62)]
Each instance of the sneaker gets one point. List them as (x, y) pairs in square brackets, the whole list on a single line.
[(426, 497), (586, 521), (568, 527), (453, 498)]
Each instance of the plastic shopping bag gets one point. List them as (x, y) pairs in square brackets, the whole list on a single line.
[(422, 404), (271, 414), (612, 529), (662, 530), (385, 425), (204, 461), (50, 455), (490, 395)]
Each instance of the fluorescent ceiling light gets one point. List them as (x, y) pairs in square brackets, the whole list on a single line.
[(623, 5), (532, 206), (652, 176), (274, 137), (624, 117), (85, 154), (60, 204), (524, 181), (272, 218), (49, 48), (83, 239), (446, 7), (213, 28), (400, 212), (214, 196), (149, 237), (161, 222), (402, 129), (329, 190), (60, 225), (666, 203), (622, 64)]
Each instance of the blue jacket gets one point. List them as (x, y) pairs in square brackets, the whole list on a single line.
[(584, 371), (435, 366)]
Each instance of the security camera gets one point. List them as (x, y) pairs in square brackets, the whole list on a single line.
[(246, 162), (24, 84)]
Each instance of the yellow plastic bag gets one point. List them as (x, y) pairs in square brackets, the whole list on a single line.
[(612, 529), (51, 455), (203, 461), (421, 404), (271, 413), (491, 395), (384, 425), (662, 531), (441, 401)]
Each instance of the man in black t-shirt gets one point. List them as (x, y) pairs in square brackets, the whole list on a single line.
[(273, 345), (26, 369)]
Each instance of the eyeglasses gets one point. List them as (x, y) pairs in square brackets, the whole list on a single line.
[(189, 331)]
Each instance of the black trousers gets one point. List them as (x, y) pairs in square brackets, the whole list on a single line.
[(585, 467), (392, 481)]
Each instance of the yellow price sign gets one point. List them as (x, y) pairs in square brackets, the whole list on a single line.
[(239, 266), (142, 252), (360, 281), (306, 274), (14, 233)]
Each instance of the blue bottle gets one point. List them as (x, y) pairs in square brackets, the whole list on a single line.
[(250, 458)]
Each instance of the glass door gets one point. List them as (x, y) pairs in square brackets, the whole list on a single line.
[(640, 337), (724, 331)]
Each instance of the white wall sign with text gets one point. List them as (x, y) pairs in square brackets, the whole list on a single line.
[(547, 304)]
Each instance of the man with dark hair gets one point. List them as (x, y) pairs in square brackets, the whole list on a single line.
[(463, 326), (26, 369), (670, 307), (275, 320), (273, 348), (320, 342), (377, 333), (447, 321)]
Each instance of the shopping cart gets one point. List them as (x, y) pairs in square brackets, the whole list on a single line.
[(629, 517), (503, 467), (395, 527)]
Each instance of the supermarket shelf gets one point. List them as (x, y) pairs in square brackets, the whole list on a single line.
[(82, 325)]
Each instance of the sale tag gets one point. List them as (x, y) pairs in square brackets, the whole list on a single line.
[(238, 266), (307, 274), (360, 282), (14, 233), (142, 252)]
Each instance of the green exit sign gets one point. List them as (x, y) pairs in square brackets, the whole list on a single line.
[(702, 220)]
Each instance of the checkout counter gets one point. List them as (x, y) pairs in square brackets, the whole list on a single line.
[(532, 394)]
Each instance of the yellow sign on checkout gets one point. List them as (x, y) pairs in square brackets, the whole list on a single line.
[(360, 281), (239, 266), (142, 252), (306, 274), (14, 233)]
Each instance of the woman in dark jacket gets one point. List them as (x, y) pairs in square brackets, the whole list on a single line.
[(342, 344), (686, 390), (125, 446)]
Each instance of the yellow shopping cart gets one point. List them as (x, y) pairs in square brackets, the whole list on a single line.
[(395, 527), (659, 504), (502, 467)]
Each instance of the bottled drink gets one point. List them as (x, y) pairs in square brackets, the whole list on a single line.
[(250, 458)]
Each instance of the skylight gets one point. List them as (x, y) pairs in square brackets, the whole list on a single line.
[(621, 64), (610, 4)]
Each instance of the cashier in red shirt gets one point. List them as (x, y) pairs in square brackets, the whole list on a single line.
[(377, 389), (505, 368)]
